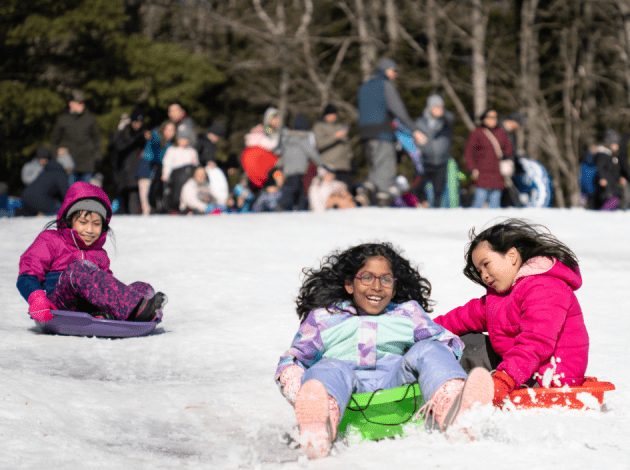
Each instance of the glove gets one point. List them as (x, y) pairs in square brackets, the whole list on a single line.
[(290, 382), (503, 385), (39, 306)]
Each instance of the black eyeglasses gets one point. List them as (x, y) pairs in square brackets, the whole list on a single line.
[(367, 279)]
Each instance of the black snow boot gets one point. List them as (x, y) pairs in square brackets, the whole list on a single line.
[(149, 310)]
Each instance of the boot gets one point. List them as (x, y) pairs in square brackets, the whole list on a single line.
[(149, 310), (455, 397), (318, 417)]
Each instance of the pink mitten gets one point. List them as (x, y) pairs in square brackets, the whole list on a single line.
[(291, 381), (39, 306)]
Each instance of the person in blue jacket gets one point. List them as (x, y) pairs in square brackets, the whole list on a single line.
[(378, 104)]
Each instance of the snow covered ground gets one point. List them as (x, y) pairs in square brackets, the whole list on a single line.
[(200, 392)]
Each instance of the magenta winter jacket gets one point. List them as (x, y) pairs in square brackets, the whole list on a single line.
[(53, 250), (537, 320)]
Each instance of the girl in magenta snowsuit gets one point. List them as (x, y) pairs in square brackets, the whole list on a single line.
[(536, 331), (68, 269)]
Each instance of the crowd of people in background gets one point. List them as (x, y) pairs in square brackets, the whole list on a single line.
[(173, 168)]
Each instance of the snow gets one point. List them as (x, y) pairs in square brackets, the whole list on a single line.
[(199, 393)]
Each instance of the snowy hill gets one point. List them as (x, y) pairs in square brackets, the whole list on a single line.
[(200, 392)]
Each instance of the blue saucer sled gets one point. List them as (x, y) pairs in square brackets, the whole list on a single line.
[(65, 322)]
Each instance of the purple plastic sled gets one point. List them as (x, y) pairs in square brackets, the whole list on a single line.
[(65, 322)]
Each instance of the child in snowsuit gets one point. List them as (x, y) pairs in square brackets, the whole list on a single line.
[(536, 331), (364, 327), (68, 269)]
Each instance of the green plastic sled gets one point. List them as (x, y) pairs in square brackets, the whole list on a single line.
[(381, 414)]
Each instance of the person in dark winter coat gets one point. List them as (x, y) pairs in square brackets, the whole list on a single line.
[(379, 103), (486, 146), (207, 144), (45, 194), (436, 123), (76, 132), (612, 173), (128, 145)]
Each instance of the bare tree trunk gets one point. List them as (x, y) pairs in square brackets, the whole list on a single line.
[(432, 47), (571, 132), (624, 41), (367, 49), (278, 30), (529, 86), (587, 72), (480, 75), (391, 14)]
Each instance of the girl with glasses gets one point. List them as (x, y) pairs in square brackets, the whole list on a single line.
[(365, 327)]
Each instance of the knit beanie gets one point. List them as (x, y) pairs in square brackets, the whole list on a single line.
[(185, 132), (611, 137), (434, 100), (216, 129), (330, 109), (90, 205), (386, 63)]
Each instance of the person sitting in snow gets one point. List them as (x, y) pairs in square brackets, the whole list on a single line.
[(197, 196), (66, 268), (536, 331), (365, 327)]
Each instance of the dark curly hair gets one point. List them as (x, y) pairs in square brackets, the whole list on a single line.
[(325, 286), (529, 239)]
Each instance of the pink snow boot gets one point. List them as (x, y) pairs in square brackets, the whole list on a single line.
[(455, 397), (317, 415)]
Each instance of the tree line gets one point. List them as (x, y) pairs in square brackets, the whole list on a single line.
[(564, 64)]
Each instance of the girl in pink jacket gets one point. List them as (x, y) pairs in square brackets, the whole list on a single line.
[(67, 268), (534, 324)]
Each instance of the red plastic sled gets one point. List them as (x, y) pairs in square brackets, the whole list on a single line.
[(566, 397), (257, 162)]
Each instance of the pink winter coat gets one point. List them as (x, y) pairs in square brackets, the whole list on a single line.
[(536, 323), (53, 250)]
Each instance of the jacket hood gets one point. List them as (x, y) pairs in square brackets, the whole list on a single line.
[(82, 190), (269, 113), (550, 267)]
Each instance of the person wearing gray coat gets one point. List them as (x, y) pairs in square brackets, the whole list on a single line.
[(296, 149), (436, 123)]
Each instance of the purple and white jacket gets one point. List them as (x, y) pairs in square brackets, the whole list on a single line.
[(344, 332)]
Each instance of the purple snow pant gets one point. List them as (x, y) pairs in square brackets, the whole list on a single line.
[(428, 362), (85, 287)]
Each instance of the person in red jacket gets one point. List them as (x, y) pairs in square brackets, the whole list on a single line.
[(487, 146), (533, 320)]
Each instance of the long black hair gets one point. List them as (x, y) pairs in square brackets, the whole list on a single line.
[(529, 239), (325, 286)]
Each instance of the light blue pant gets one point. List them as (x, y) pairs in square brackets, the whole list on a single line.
[(428, 362), (493, 196)]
